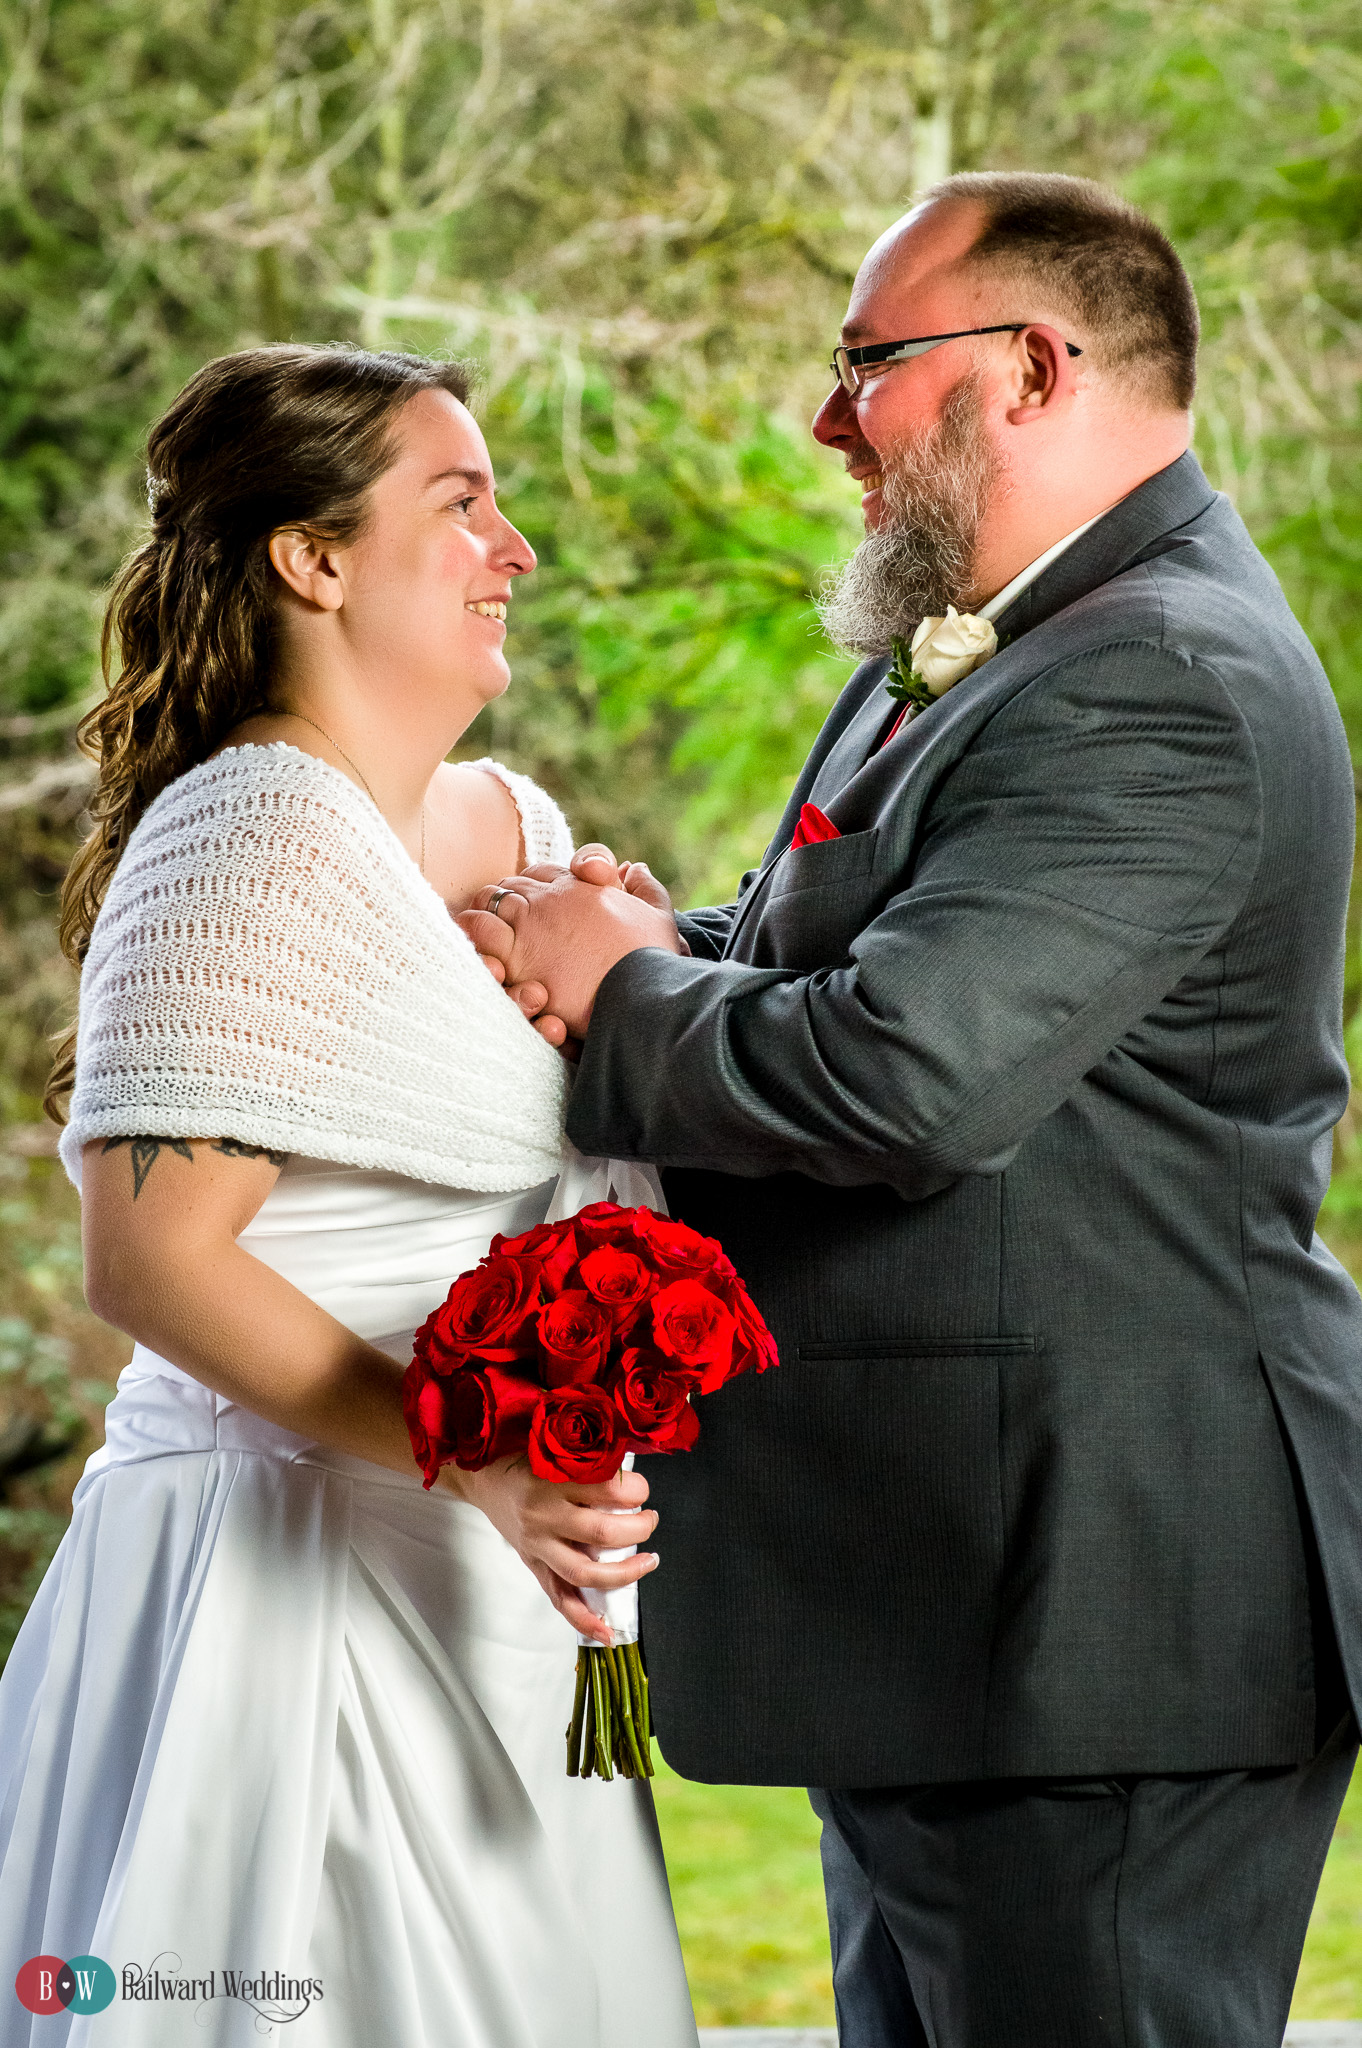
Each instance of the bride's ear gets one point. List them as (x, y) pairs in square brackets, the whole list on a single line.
[(308, 566)]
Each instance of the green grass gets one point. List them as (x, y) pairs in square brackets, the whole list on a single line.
[(743, 1862), (1330, 1983)]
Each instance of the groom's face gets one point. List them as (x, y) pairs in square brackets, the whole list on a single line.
[(917, 435), (914, 282)]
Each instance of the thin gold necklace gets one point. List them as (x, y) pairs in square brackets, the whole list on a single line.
[(305, 720)]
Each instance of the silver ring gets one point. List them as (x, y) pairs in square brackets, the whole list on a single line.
[(497, 895)]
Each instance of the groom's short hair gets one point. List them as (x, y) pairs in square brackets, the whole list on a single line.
[(1088, 254)]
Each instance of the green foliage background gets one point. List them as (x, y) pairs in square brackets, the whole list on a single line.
[(642, 216)]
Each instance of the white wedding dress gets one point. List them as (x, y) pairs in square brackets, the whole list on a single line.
[(279, 1710)]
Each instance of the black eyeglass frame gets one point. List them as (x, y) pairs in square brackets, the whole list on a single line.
[(847, 363)]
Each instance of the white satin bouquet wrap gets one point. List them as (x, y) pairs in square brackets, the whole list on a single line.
[(582, 1182)]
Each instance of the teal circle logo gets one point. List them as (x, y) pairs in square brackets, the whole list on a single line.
[(93, 1984)]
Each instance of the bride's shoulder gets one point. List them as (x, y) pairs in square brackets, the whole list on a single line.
[(253, 818), (508, 817), (235, 781)]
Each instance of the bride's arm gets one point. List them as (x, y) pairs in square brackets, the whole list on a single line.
[(161, 1218)]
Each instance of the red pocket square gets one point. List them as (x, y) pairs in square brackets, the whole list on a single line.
[(812, 827)]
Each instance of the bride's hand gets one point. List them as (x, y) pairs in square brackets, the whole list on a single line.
[(594, 864), (554, 1528)]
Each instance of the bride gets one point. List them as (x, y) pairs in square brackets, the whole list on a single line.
[(281, 1740)]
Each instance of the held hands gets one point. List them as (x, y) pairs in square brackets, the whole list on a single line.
[(555, 1528), (552, 934)]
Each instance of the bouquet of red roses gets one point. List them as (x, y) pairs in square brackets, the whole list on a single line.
[(576, 1345)]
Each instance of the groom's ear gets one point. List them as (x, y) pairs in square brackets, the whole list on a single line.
[(307, 565)]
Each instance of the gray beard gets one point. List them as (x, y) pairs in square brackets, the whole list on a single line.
[(921, 557)]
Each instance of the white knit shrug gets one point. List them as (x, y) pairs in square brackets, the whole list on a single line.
[(270, 966)]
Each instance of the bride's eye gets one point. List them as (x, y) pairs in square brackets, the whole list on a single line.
[(463, 505)]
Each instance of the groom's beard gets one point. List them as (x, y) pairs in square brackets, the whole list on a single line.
[(921, 557)]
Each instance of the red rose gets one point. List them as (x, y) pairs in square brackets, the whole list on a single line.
[(577, 1433), (618, 1279), (693, 1327), (472, 1418), (485, 1315), (426, 1452), (552, 1247), (607, 1223), (675, 1248), (754, 1348), (574, 1337), (653, 1395), (486, 1416)]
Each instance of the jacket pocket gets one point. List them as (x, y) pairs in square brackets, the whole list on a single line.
[(817, 1352), (827, 864), (817, 900)]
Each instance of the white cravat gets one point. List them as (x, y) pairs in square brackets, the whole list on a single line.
[(1029, 574)]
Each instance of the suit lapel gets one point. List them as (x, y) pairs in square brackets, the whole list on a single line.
[(1142, 523), (860, 740), (828, 769)]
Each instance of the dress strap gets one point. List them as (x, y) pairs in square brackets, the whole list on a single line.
[(546, 832)]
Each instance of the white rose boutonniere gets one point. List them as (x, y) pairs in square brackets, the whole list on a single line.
[(942, 651)]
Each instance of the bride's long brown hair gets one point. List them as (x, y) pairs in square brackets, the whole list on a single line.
[(288, 436)]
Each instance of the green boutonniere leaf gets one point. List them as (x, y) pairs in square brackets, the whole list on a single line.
[(903, 682)]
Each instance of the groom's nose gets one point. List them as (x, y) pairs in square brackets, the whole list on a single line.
[(834, 423)]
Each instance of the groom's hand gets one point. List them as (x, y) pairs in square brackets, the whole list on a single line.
[(555, 1528), (555, 933)]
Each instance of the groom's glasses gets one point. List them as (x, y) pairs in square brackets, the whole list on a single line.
[(849, 365)]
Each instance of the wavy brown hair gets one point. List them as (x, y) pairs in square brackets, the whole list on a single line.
[(285, 437)]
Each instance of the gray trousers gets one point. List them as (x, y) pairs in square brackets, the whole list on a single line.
[(1077, 1913)]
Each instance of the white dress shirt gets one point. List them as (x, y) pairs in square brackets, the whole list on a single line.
[(1029, 574)]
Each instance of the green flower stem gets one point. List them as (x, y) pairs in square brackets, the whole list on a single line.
[(574, 1734), (587, 1754), (604, 1730), (607, 1658), (632, 1760), (638, 1688), (611, 1729)]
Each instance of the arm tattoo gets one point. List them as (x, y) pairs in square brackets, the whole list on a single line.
[(145, 1153), (232, 1148)]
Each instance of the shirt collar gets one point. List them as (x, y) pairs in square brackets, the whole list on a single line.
[(1029, 574)]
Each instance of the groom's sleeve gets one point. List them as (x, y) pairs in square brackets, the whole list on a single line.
[(1095, 839), (706, 931)]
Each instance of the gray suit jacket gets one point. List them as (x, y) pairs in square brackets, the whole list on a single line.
[(1013, 1106)]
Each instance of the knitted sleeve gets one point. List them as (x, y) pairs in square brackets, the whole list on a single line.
[(270, 966)]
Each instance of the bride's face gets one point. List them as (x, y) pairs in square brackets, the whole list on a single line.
[(428, 581)]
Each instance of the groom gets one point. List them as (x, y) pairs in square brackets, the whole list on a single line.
[(1008, 1084)]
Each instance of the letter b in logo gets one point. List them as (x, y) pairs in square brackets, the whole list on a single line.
[(47, 1985)]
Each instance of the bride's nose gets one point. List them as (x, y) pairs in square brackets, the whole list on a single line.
[(511, 551)]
